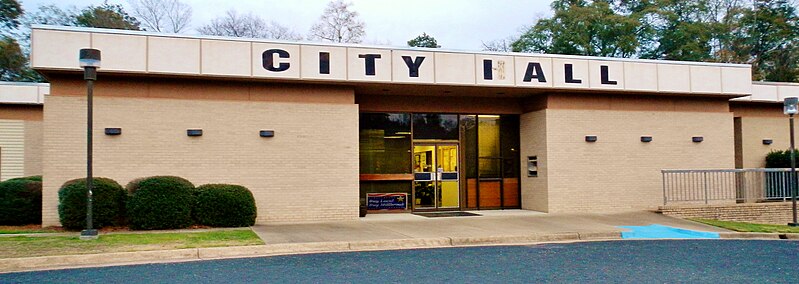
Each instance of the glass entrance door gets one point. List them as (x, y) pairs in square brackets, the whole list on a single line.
[(435, 175)]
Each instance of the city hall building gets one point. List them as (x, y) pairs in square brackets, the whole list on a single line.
[(315, 130)]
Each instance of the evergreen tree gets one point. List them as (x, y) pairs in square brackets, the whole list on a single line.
[(424, 40)]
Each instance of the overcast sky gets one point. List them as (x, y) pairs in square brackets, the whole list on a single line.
[(456, 24)]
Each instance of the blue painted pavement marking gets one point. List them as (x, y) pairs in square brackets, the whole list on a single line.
[(656, 231)]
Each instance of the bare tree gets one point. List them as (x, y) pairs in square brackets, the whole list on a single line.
[(338, 24), (247, 25), (499, 45), (278, 31), (170, 16)]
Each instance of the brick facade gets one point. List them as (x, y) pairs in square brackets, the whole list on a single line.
[(307, 172), (618, 172)]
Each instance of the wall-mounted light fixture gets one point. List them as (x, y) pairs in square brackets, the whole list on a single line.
[(590, 138), (194, 132), (646, 139), (267, 133), (697, 139), (113, 131), (768, 141)]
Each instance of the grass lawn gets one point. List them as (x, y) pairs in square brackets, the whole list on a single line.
[(11, 247), (749, 227), (29, 229)]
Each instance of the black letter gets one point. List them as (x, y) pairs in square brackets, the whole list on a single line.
[(413, 66), (324, 63), (570, 74), (269, 63), (370, 63), (604, 72), (487, 74), (534, 70)]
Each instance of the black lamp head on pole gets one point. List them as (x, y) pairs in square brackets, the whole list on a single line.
[(790, 105), (89, 60)]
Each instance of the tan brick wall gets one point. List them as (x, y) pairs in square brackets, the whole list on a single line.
[(533, 133), (619, 172), (762, 213), (754, 130), (307, 172), (761, 121), (33, 148)]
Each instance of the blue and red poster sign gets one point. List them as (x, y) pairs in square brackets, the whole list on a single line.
[(386, 201)]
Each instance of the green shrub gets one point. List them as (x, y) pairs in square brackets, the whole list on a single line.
[(108, 203), (160, 202), (31, 178), (20, 202), (224, 205), (781, 159)]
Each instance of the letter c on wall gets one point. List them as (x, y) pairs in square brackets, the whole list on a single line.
[(269, 62)]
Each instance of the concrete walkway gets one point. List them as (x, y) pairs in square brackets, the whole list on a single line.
[(498, 223)]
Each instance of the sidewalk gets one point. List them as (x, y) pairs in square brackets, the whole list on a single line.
[(392, 231), (490, 224)]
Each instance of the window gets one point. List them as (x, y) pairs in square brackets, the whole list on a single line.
[(435, 126), (385, 143)]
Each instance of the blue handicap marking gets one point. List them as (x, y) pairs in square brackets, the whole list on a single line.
[(656, 231)]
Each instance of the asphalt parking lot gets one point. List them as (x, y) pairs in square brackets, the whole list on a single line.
[(662, 261)]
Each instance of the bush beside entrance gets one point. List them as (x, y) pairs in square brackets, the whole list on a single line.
[(152, 203), (21, 202), (225, 205), (780, 159), (108, 203), (160, 202)]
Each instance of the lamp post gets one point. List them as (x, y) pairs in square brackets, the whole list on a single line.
[(790, 108), (90, 61)]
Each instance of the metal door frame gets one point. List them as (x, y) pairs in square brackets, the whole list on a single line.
[(436, 190)]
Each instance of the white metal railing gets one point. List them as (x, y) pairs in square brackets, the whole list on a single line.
[(739, 185)]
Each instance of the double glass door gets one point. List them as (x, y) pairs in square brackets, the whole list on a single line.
[(435, 176)]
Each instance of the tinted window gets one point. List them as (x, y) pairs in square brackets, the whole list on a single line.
[(435, 126), (385, 143)]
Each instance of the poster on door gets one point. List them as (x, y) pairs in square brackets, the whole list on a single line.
[(386, 201)]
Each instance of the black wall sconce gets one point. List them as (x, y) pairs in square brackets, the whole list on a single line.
[(697, 139), (267, 133), (767, 141), (113, 131), (590, 138), (646, 139), (194, 132)]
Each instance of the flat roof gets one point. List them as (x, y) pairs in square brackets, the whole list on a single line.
[(55, 48), (770, 92), (23, 93), (371, 46)]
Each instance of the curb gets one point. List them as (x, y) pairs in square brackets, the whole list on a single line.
[(63, 261), (182, 255), (759, 236)]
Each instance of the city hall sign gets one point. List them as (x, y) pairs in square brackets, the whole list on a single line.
[(134, 52), (279, 60)]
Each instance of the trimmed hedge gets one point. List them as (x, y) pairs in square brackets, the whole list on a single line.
[(31, 178), (160, 202), (225, 205), (20, 202), (108, 203), (781, 159)]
